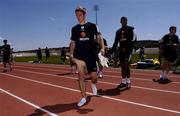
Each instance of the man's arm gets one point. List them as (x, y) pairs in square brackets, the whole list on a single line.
[(72, 47), (134, 36), (73, 42), (101, 42), (99, 38), (161, 46), (134, 40), (115, 43)]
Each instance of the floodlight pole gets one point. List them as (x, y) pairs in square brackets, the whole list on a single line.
[(96, 8)]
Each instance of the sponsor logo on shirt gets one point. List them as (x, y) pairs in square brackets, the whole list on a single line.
[(122, 36), (123, 39), (84, 39)]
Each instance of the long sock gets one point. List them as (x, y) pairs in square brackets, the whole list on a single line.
[(94, 89), (124, 80), (162, 75), (128, 80), (93, 85), (165, 75)]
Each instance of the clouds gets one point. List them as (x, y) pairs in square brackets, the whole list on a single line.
[(52, 19), (149, 35), (1, 38)]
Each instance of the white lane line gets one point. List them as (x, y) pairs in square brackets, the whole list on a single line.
[(151, 72), (107, 97), (1, 92), (134, 78), (27, 102), (145, 88), (103, 82), (103, 74)]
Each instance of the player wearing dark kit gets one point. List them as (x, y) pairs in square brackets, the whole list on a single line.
[(47, 53), (169, 45), (6, 49), (39, 55), (82, 51), (125, 37), (63, 55), (141, 54)]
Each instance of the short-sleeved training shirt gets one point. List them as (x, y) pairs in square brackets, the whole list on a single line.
[(84, 36)]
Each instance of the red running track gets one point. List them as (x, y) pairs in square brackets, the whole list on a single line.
[(46, 89)]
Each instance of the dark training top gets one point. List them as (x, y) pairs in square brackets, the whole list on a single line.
[(6, 49), (39, 54), (124, 36), (168, 42), (47, 52), (169, 45), (84, 36)]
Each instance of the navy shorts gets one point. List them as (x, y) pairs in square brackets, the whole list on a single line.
[(170, 55), (90, 61), (6, 58), (124, 56)]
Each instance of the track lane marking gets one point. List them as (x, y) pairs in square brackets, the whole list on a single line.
[(68, 77), (107, 97), (27, 102)]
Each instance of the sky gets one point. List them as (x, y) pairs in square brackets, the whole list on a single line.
[(29, 24)]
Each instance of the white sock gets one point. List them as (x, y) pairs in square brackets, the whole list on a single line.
[(124, 81), (165, 75), (128, 80), (94, 89), (93, 85), (162, 74)]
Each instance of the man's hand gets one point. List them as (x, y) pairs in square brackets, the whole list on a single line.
[(71, 56), (102, 51)]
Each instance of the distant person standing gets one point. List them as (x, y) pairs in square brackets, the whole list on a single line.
[(6, 49), (125, 37), (47, 53), (63, 55), (141, 53), (170, 43), (39, 55)]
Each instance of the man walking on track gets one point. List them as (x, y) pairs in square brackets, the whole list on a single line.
[(170, 44), (126, 38), (82, 51), (6, 49)]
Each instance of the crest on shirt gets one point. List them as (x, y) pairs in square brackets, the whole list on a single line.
[(83, 34), (123, 36)]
